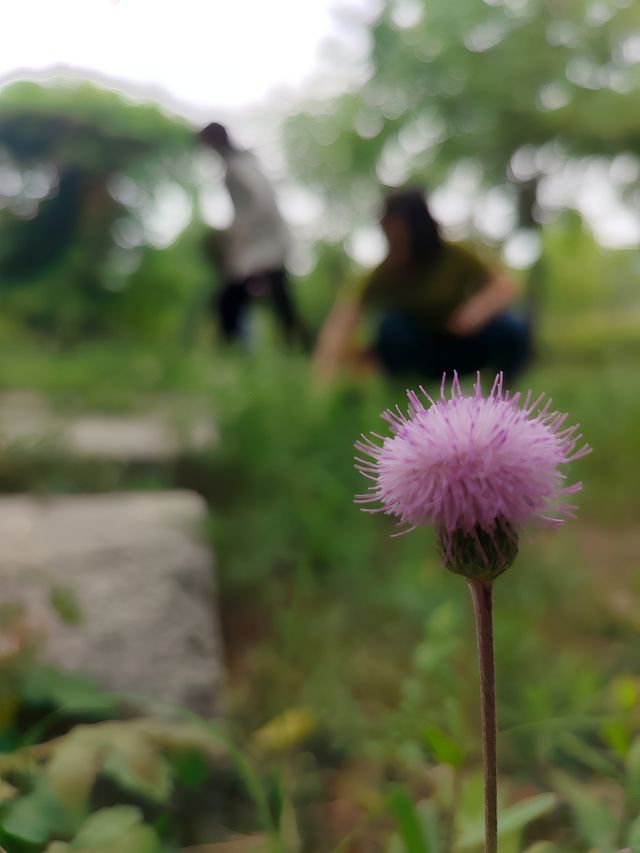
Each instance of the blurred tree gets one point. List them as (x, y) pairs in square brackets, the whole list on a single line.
[(79, 168), (506, 84)]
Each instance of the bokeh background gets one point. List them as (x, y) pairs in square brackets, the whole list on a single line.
[(350, 718)]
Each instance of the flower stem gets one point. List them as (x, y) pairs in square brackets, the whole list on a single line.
[(482, 595)]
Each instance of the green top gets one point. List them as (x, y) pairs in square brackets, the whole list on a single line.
[(430, 294)]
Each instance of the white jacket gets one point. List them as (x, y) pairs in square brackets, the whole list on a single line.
[(258, 238)]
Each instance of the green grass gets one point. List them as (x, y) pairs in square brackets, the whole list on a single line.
[(369, 632)]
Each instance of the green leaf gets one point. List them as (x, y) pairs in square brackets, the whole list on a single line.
[(444, 748), (594, 820), (408, 819), (512, 819), (65, 602), (632, 782), (137, 763), (618, 736), (68, 692), (587, 755), (428, 814), (523, 813), (72, 770), (633, 835), (625, 693), (470, 799), (107, 827), (288, 826), (190, 768), (36, 816)]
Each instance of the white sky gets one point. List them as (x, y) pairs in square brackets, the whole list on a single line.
[(210, 54)]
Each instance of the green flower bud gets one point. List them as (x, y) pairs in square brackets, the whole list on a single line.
[(482, 555)]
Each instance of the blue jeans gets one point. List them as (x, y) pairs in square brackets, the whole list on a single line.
[(404, 347)]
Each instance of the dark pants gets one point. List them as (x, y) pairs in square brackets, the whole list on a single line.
[(404, 347), (235, 299)]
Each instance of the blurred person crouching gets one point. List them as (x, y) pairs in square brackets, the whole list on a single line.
[(435, 306)]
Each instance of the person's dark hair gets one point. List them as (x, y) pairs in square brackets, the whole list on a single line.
[(216, 136), (425, 242)]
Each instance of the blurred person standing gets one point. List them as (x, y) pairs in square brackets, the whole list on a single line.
[(254, 249), (435, 307)]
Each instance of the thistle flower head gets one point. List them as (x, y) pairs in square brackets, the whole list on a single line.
[(476, 468)]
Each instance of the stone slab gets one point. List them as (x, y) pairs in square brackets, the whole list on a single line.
[(143, 578), (166, 430)]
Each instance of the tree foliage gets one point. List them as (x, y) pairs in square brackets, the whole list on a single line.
[(451, 82), (84, 127), (65, 229)]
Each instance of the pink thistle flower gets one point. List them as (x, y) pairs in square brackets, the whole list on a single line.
[(476, 468)]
